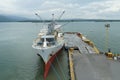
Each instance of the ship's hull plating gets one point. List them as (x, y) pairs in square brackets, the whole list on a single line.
[(48, 64), (48, 55)]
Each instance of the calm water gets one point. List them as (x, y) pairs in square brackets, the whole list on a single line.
[(18, 60)]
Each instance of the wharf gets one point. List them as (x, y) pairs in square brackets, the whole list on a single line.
[(87, 64), (72, 40), (91, 67)]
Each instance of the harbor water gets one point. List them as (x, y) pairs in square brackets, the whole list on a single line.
[(18, 60)]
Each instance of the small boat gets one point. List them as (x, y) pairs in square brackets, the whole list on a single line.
[(49, 43)]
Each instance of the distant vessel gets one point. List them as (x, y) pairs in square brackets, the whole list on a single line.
[(49, 43)]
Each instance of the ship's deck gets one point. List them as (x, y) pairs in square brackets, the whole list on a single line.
[(87, 64)]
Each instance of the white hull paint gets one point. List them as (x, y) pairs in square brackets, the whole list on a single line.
[(47, 53)]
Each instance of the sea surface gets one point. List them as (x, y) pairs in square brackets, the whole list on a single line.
[(18, 60)]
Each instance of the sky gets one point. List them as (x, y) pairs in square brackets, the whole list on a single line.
[(80, 9)]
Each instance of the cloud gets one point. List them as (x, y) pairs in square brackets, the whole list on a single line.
[(49, 7), (6, 6), (105, 9), (101, 9)]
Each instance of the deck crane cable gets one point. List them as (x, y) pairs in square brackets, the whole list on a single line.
[(61, 15), (60, 18), (43, 21)]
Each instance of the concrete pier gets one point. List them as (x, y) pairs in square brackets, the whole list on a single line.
[(86, 62), (73, 40), (91, 67)]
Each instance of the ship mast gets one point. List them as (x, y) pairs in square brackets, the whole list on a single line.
[(61, 15), (53, 24)]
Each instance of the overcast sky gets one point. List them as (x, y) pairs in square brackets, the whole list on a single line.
[(88, 9)]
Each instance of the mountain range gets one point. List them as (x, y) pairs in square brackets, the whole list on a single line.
[(10, 18)]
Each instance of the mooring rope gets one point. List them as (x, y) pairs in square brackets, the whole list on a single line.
[(60, 68), (58, 77)]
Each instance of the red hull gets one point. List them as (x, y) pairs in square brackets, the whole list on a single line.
[(48, 64)]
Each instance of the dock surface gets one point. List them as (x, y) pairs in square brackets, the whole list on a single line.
[(91, 67), (87, 64), (72, 40)]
